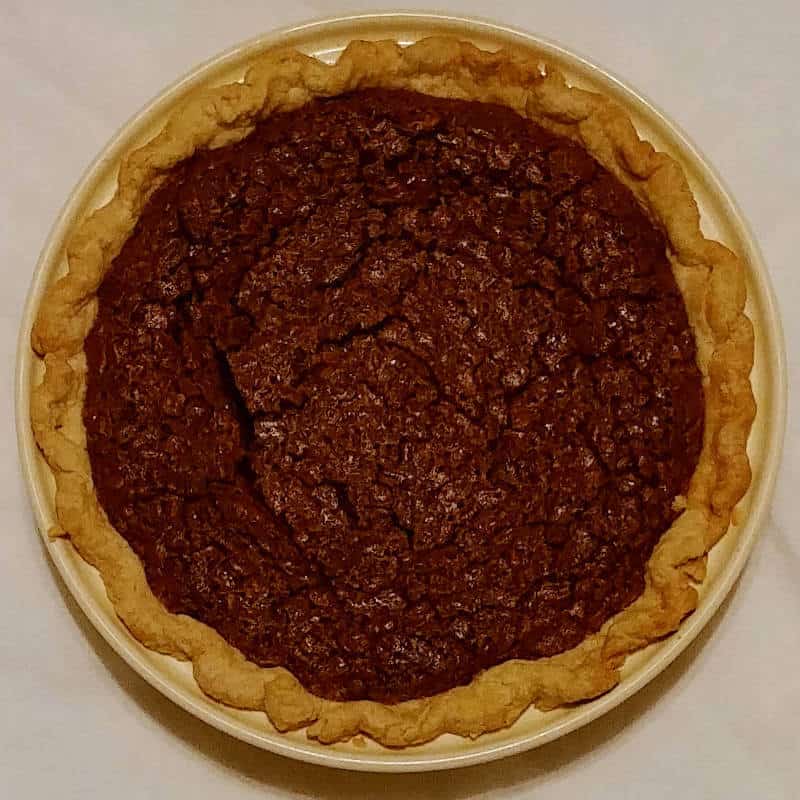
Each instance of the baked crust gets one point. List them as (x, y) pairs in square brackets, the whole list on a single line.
[(710, 277)]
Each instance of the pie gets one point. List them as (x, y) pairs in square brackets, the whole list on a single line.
[(397, 395)]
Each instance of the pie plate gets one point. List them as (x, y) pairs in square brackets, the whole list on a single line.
[(721, 220)]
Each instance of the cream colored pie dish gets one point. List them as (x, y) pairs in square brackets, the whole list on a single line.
[(350, 325)]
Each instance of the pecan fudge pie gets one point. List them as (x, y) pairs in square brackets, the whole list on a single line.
[(397, 395)]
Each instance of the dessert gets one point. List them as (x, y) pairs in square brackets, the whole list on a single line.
[(397, 395)]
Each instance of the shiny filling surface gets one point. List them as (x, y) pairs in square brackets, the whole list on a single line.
[(391, 391)]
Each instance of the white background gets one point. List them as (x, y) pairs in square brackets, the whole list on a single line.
[(76, 722)]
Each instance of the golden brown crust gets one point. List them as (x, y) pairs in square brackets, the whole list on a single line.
[(711, 279)]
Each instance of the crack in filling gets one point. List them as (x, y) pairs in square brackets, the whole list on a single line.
[(393, 390)]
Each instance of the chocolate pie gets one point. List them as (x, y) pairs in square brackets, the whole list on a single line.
[(398, 395)]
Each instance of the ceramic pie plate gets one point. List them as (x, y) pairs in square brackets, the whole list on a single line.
[(721, 220)]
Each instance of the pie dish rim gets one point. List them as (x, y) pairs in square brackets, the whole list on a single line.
[(396, 742)]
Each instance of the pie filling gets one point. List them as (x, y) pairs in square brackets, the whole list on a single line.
[(393, 390)]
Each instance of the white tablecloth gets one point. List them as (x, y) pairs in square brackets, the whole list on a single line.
[(76, 722)]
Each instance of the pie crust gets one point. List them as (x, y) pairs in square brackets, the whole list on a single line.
[(711, 279)]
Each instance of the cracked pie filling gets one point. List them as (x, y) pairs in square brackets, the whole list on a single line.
[(393, 390)]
